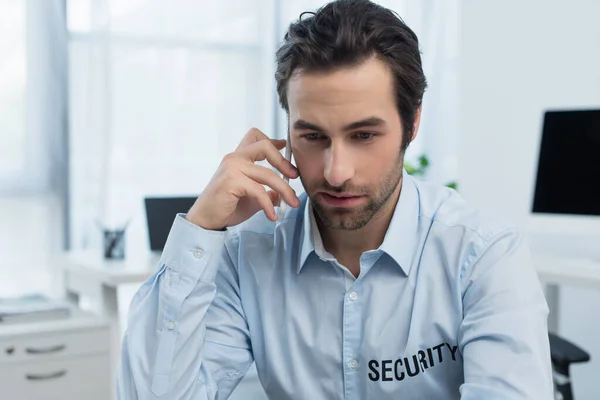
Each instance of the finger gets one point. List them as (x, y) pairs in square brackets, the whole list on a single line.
[(256, 135), (274, 196), (252, 136), (266, 176), (279, 143), (265, 150), (258, 193)]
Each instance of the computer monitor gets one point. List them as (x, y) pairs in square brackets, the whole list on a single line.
[(566, 199), (568, 174), (160, 214)]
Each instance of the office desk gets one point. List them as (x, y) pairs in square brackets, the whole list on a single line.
[(60, 359), (88, 276), (554, 271), (581, 272), (96, 285)]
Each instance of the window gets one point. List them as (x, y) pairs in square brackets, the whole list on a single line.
[(13, 138), (159, 93)]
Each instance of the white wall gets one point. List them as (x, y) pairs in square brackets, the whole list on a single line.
[(519, 58)]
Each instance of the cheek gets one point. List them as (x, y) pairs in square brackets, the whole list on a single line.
[(379, 163), (309, 163), (305, 155)]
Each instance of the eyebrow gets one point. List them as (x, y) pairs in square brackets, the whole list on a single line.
[(365, 123)]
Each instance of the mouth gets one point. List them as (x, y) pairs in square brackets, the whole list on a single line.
[(341, 199)]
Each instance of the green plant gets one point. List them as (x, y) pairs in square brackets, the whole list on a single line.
[(418, 170), (421, 168)]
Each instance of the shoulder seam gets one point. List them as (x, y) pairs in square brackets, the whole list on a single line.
[(468, 228)]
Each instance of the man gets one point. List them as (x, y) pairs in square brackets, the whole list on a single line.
[(373, 285)]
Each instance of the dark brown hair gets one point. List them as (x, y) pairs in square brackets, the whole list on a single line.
[(347, 33)]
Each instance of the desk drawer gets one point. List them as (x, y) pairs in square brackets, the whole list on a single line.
[(48, 346), (71, 379)]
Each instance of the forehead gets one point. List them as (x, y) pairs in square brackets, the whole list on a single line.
[(364, 89)]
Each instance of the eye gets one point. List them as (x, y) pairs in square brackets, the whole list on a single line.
[(364, 135), (312, 136)]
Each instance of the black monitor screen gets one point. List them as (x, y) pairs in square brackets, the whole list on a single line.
[(160, 214), (568, 175)]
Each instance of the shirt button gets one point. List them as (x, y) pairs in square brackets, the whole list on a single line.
[(171, 325), (352, 364), (353, 296), (198, 253)]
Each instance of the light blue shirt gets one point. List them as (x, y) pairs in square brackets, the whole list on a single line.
[(449, 307)]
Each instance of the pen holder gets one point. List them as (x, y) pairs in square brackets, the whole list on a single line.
[(114, 244)]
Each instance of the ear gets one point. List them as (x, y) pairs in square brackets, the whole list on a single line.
[(417, 123)]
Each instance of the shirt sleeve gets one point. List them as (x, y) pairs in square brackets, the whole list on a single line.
[(174, 347), (504, 336)]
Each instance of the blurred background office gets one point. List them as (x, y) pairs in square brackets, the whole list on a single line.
[(104, 103)]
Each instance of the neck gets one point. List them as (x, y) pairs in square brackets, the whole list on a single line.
[(349, 245)]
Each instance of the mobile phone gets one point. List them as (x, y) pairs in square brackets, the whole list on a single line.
[(288, 156)]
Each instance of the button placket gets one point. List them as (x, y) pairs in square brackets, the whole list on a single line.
[(351, 339)]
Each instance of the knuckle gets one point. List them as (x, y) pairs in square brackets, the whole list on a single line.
[(229, 160), (271, 151), (255, 132), (259, 190), (229, 166), (266, 144)]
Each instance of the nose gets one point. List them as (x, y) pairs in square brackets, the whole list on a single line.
[(339, 167)]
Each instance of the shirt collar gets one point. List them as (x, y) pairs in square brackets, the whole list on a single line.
[(399, 239)]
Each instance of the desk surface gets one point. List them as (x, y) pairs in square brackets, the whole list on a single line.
[(78, 320), (582, 272), (112, 273)]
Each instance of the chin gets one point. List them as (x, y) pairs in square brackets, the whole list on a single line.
[(350, 219)]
